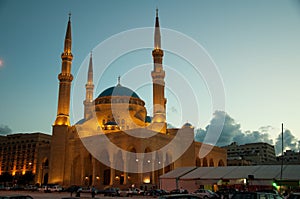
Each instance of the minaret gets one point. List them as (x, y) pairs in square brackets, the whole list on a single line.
[(59, 171), (89, 87), (158, 76), (65, 79)]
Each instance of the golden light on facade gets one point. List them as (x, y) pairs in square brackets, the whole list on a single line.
[(146, 180), (24, 169), (133, 115)]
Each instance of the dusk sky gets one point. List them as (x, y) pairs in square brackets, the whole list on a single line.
[(255, 45)]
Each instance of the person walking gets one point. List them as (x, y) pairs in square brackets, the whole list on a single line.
[(93, 192)]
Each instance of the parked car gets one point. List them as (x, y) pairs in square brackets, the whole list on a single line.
[(69, 198), (44, 188), (72, 188), (156, 192), (255, 195), (294, 196), (84, 190), (17, 188), (206, 194), (179, 191), (111, 191), (126, 192), (226, 193), (16, 197), (180, 196), (56, 188), (137, 191), (31, 188)]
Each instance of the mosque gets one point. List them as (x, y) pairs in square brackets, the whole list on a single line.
[(117, 143)]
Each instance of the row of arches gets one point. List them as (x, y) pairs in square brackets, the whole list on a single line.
[(117, 169), (208, 162)]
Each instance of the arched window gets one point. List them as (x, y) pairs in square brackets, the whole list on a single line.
[(204, 162), (221, 163), (198, 162)]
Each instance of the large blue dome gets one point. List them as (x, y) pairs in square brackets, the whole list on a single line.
[(118, 91)]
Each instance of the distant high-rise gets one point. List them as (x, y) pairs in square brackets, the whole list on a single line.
[(250, 154), (25, 153), (289, 157)]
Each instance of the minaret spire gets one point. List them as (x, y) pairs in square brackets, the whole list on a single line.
[(90, 71), (119, 81), (68, 38), (158, 76), (88, 102), (65, 78), (157, 43)]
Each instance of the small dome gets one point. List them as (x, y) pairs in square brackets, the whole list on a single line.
[(187, 125), (118, 91), (81, 121), (148, 119)]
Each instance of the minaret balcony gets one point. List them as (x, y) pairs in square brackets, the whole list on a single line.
[(65, 77), (158, 75), (157, 52), (67, 56)]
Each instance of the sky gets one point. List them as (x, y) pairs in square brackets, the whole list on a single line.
[(253, 46)]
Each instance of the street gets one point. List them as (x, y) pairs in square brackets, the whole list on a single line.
[(41, 195)]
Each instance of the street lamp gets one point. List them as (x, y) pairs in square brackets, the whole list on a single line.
[(86, 180), (97, 180)]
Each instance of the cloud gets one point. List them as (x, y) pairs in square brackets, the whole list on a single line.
[(289, 142), (253, 137), (4, 130), (232, 132)]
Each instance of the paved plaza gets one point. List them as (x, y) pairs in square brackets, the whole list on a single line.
[(41, 195)]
